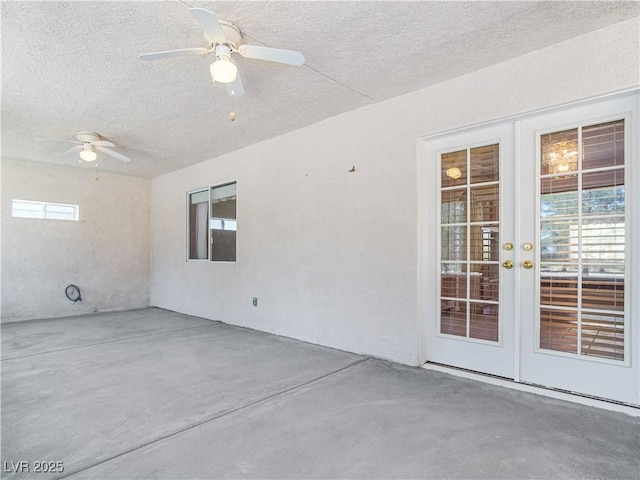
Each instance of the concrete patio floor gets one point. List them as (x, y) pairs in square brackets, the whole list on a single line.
[(156, 394)]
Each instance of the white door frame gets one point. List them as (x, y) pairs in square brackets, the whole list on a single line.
[(427, 240)]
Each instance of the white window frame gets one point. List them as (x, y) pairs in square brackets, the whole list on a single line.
[(227, 224), (44, 213)]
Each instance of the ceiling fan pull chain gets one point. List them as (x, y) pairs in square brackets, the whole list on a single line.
[(232, 114)]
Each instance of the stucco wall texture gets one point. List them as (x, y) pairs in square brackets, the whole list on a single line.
[(105, 253), (332, 254)]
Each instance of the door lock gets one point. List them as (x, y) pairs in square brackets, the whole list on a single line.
[(508, 264), (528, 264)]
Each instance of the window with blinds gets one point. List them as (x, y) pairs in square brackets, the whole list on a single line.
[(582, 241), (469, 243)]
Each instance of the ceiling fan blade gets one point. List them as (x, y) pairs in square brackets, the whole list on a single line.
[(73, 150), (57, 140), (174, 53), (209, 23), (235, 88), (259, 52), (117, 155), (103, 143)]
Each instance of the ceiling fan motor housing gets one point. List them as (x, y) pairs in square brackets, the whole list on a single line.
[(223, 50)]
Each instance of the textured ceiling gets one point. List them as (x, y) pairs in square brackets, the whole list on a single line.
[(72, 66)]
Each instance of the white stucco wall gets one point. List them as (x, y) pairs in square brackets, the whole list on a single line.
[(332, 255), (105, 253)]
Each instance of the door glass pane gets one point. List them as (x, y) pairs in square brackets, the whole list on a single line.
[(453, 282), (453, 318), (603, 335), (453, 169), (484, 204), (485, 165), (484, 281), (469, 243), (559, 241), (603, 239), (453, 206), (583, 240), (485, 241), (603, 287), (559, 196), (559, 152), (483, 321), (559, 285), (603, 145), (453, 244), (603, 192), (559, 330)]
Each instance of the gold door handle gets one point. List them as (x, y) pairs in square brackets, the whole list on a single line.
[(508, 264), (528, 264)]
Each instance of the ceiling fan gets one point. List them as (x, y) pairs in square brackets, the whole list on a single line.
[(89, 144), (224, 38)]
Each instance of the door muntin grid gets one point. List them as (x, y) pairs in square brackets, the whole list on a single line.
[(469, 243), (582, 238)]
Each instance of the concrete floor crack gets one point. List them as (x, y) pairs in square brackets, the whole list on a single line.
[(220, 415)]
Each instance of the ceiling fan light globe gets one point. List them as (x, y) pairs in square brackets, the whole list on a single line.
[(223, 70), (88, 155)]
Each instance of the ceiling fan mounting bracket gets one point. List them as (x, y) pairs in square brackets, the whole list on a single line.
[(234, 37), (85, 137)]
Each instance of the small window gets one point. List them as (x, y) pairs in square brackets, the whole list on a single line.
[(212, 224), (44, 210)]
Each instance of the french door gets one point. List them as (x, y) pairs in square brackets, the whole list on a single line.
[(471, 296), (580, 328), (533, 267)]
